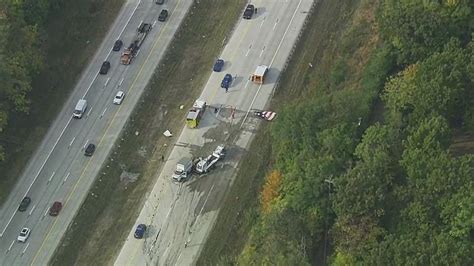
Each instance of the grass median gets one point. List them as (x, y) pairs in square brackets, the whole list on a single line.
[(72, 36), (112, 205)]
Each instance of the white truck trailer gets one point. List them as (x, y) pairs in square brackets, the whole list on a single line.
[(183, 170)]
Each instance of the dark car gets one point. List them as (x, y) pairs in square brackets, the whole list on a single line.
[(163, 15), (117, 45), (140, 231), (24, 204), (89, 150), (249, 10), (160, 2), (226, 81), (104, 68), (218, 65), (56, 208)]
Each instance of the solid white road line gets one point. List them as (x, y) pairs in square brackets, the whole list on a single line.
[(123, 29), (37, 174), (62, 132), (271, 62), (90, 85), (205, 201), (110, 51)]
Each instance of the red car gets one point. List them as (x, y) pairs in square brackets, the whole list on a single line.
[(56, 208)]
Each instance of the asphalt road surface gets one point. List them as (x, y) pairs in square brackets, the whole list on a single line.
[(179, 216), (59, 171)]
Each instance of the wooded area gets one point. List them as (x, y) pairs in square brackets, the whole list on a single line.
[(21, 57), (362, 181)]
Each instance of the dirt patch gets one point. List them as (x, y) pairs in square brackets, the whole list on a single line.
[(127, 177)]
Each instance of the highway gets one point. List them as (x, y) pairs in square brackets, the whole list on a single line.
[(179, 216), (58, 170)]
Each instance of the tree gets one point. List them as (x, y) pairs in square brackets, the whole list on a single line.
[(416, 29), (271, 190), (438, 85)]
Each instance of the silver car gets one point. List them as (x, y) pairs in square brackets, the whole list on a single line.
[(119, 97), (24, 234)]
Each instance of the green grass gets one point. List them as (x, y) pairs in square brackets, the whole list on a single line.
[(72, 36), (108, 216), (325, 44)]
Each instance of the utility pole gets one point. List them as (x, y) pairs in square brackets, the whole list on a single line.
[(329, 181)]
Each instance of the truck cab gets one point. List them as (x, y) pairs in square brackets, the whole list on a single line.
[(80, 109), (183, 170), (195, 113)]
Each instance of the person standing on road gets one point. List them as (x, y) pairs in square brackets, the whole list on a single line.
[(162, 158)]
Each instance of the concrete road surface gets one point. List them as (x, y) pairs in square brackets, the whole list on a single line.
[(179, 216), (59, 171)]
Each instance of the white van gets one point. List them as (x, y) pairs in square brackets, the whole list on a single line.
[(80, 109)]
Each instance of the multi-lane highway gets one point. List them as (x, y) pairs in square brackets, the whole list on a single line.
[(59, 171), (179, 216)]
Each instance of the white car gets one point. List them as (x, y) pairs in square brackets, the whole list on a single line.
[(119, 97), (24, 234)]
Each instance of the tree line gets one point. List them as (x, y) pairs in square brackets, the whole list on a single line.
[(384, 193), (21, 56)]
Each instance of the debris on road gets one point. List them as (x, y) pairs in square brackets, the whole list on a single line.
[(265, 115)]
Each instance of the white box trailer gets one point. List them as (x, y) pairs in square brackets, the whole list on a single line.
[(80, 109), (259, 74), (183, 170)]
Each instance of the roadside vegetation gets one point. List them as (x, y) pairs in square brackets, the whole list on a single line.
[(114, 202), (363, 167), (44, 46)]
